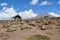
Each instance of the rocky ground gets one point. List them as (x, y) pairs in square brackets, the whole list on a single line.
[(21, 30)]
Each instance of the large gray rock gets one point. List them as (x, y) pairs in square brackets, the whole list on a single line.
[(10, 29), (43, 27)]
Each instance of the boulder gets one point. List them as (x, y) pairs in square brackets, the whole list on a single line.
[(43, 27), (25, 26), (6, 26), (10, 29)]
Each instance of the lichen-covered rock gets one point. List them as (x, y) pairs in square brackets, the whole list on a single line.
[(10, 29), (14, 25)]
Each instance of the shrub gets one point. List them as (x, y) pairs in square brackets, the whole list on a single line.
[(39, 37)]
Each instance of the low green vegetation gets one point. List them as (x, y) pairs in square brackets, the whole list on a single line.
[(39, 37)]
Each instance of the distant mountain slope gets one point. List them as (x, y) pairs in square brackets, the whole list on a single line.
[(42, 15)]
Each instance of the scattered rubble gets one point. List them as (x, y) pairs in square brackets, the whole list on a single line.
[(29, 27)]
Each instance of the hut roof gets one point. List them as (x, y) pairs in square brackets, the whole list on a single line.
[(17, 16)]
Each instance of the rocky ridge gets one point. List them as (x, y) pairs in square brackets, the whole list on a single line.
[(12, 30)]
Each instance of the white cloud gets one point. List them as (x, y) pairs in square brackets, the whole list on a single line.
[(33, 2), (45, 3), (59, 1), (27, 14), (54, 14), (4, 4), (11, 12), (7, 13)]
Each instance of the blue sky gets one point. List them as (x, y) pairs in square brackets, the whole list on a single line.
[(29, 7)]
